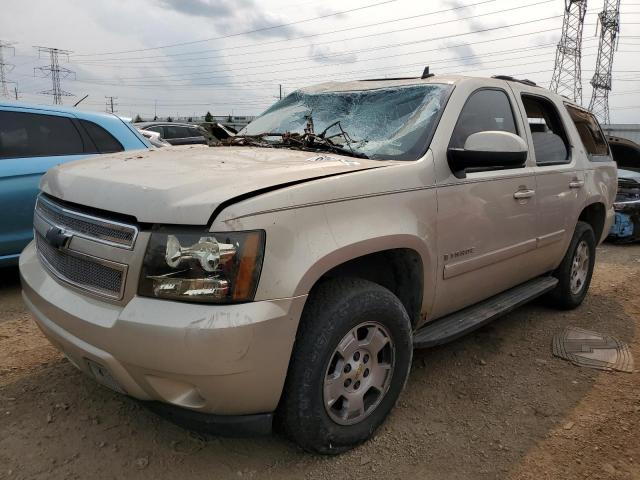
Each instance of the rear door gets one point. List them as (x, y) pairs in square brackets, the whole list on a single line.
[(31, 142), (486, 222), (559, 170)]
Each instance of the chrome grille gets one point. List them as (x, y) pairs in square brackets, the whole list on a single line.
[(83, 271), (87, 226)]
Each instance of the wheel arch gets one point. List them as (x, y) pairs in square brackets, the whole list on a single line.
[(399, 263), (595, 214)]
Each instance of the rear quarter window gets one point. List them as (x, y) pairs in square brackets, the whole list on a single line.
[(103, 140), (589, 131)]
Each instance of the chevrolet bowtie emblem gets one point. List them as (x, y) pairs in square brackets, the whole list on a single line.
[(57, 237)]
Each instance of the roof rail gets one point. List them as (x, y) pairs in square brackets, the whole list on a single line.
[(511, 79), (425, 74), (388, 78)]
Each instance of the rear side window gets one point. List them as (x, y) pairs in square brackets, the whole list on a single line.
[(174, 131), (550, 143), (194, 132), (589, 131), (36, 135), (103, 140), (485, 110)]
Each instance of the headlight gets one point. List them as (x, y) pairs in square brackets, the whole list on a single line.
[(200, 266)]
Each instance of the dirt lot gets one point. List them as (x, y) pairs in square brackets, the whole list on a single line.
[(495, 404)]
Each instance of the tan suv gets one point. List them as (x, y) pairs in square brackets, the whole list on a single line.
[(289, 274)]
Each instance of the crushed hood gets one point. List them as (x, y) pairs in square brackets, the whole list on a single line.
[(184, 185)]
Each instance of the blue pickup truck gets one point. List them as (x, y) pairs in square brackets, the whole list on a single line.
[(34, 138)]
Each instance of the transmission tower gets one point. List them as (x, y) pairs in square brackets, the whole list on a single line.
[(609, 20), (56, 72), (110, 104), (5, 68), (567, 73)]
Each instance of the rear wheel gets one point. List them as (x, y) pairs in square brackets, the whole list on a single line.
[(350, 362), (575, 271)]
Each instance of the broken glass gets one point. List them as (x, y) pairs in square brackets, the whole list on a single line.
[(383, 123)]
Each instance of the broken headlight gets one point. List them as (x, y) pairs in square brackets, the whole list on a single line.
[(201, 266)]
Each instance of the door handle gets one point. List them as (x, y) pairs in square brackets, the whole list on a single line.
[(576, 184), (520, 194)]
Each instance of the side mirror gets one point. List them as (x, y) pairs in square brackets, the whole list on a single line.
[(490, 149)]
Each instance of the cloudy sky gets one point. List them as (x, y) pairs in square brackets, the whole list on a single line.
[(184, 57)]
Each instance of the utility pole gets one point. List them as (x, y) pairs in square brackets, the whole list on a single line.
[(609, 20), (5, 68), (567, 73), (15, 91), (55, 71), (280, 91), (110, 104)]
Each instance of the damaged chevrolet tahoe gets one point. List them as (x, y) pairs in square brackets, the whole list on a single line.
[(286, 277)]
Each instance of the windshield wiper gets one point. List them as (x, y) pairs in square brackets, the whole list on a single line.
[(308, 140)]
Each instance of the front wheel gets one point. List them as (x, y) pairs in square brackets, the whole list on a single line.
[(350, 362), (574, 273)]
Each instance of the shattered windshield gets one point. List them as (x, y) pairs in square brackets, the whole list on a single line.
[(385, 123)]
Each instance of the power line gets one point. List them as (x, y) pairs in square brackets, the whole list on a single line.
[(288, 41), (272, 42), (316, 76), (341, 40), (402, 44), (257, 30), (56, 72), (344, 40)]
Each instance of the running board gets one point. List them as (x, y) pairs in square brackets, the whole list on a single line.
[(459, 323)]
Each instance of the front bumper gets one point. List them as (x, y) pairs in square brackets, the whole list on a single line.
[(222, 359)]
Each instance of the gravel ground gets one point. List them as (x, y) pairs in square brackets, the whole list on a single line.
[(495, 404)]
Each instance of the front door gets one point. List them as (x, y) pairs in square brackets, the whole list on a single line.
[(486, 221)]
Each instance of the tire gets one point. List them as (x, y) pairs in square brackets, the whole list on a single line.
[(336, 309), (568, 295)]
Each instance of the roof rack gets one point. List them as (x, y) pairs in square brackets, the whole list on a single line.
[(511, 79)]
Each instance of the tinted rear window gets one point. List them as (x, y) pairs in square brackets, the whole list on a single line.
[(103, 140), (36, 135)]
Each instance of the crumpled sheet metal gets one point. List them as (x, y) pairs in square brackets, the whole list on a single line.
[(594, 350)]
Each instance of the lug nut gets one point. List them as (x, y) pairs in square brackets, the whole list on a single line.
[(347, 382), (356, 385), (365, 374), (365, 359), (347, 368), (356, 356)]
